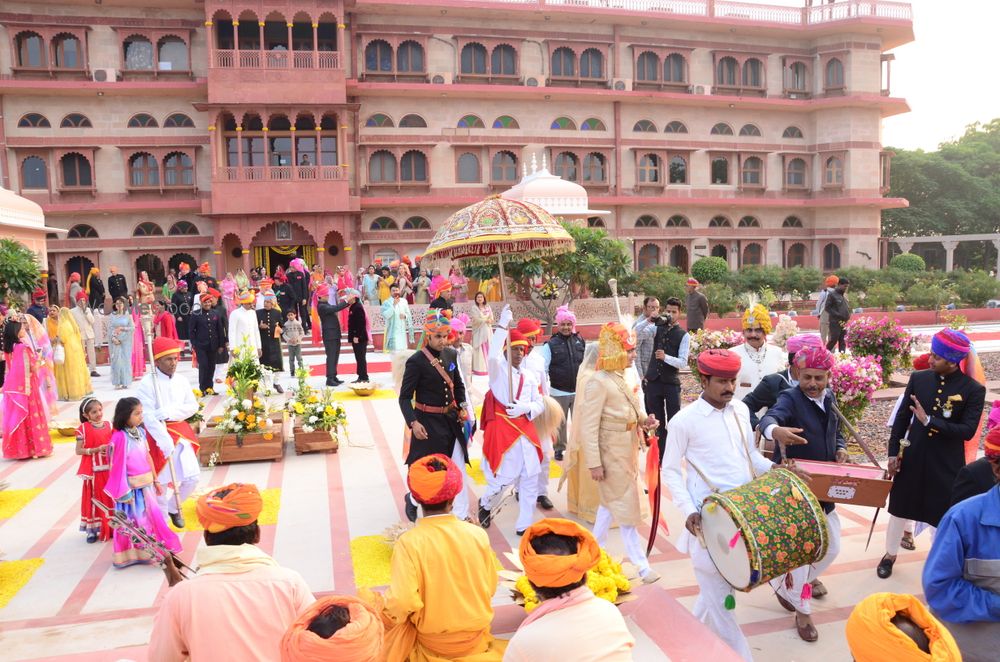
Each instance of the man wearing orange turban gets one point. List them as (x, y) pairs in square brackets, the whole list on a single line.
[(216, 615), (337, 627), (820, 309), (579, 626), (898, 627)]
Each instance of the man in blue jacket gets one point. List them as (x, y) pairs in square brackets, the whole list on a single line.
[(805, 426)]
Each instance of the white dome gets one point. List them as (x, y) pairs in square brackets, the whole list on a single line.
[(553, 194), (20, 212)]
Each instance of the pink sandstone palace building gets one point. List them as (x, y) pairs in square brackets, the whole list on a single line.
[(244, 132)]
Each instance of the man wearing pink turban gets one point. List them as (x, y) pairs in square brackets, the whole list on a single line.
[(563, 356), (765, 394)]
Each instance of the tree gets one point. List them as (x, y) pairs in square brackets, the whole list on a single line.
[(710, 269), (908, 262), (661, 282), (19, 269), (882, 296), (721, 299)]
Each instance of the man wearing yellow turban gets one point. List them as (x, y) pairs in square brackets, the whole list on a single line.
[(579, 626), (889, 626), (241, 602), (759, 358)]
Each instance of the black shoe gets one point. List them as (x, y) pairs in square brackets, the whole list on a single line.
[(334, 382), (277, 387), (91, 538), (484, 517), (521, 532), (362, 380), (884, 569), (177, 519), (544, 503), (559, 456), (517, 497), (411, 510), (93, 373)]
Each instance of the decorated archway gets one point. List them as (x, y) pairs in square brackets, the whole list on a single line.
[(278, 243), (153, 266), (175, 260), (334, 246)]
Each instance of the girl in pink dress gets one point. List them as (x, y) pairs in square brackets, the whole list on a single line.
[(25, 422), (133, 485)]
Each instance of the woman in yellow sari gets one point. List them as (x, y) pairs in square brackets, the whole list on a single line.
[(72, 375)]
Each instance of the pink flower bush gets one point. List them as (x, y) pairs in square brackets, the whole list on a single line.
[(883, 339), (704, 339), (854, 379)]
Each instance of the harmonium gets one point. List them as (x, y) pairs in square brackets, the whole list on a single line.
[(857, 484)]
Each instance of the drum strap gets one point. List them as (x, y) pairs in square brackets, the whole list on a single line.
[(746, 449)]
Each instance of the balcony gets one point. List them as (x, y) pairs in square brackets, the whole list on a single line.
[(283, 173), (282, 60), (301, 189), (245, 76)]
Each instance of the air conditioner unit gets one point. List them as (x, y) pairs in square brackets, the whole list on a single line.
[(702, 89), (534, 81), (442, 78), (104, 75), (621, 84)]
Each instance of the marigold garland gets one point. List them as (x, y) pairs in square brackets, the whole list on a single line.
[(607, 581)]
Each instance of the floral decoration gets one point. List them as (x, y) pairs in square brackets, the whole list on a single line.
[(854, 380), (783, 330), (703, 339), (607, 580), (882, 339)]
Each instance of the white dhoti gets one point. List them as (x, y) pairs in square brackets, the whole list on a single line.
[(710, 607), (808, 573), (543, 475), (520, 465), (187, 469)]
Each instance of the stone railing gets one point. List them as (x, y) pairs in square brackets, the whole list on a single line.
[(282, 173), (256, 59)]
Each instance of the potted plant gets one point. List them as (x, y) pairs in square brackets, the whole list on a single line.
[(244, 433), (321, 419)]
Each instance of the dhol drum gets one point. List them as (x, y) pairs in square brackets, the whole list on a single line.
[(763, 529)]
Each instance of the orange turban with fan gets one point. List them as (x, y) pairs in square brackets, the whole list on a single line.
[(236, 504), (360, 640)]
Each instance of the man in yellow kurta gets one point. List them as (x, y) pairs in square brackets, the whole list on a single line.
[(444, 574)]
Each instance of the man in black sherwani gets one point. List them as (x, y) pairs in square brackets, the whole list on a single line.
[(330, 325)]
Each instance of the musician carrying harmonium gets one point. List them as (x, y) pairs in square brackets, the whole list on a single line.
[(805, 426)]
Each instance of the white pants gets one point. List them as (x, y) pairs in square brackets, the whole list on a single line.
[(807, 573), (543, 474), (710, 606), (188, 470), (630, 537), (894, 533), (520, 464), (91, 351)]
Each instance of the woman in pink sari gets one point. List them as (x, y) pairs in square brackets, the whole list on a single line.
[(228, 287), (459, 285), (25, 424), (133, 485), (138, 345), (316, 279)]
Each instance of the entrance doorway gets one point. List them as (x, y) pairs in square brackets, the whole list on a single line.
[(153, 266)]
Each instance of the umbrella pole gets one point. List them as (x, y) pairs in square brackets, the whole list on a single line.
[(503, 295)]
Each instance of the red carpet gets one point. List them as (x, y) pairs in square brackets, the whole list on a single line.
[(351, 368)]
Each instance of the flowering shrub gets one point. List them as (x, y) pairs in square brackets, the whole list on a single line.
[(783, 330), (703, 339), (854, 379), (883, 339), (245, 374)]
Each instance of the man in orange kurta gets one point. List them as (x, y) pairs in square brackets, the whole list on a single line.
[(444, 574)]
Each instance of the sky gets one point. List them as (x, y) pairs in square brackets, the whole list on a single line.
[(948, 74)]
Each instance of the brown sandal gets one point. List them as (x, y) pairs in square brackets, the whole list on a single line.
[(907, 542), (807, 632)]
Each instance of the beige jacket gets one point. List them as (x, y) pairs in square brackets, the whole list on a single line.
[(85, 320)]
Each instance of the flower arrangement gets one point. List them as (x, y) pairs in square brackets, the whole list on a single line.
[(316, 409), (883, 339), (245, 375), (199, 416), (703, 339), (783, 330), (607, 580), (245, 416), (854, 379)]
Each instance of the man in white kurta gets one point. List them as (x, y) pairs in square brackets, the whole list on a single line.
[(172, 400), (243, 325), (398, 322), (534, 362), (713, 434), (759, 357)]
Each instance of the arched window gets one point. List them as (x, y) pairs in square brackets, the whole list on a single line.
[(644, 126), (138, 52), (753, 172), (750, 130), (675, 127), (563, 62), (649, 257), (67, 51), (144, 170), (173, 54), (75, 121), (595, 222), (647, 67), (677, 221), (749, 222), (183, 228), (178, 121), (505, 122), (503, 61), (725, 72), (753, 73), (383, 223), (76, 170), (592, 124), (410, 58), (649, 169), (678, 170), (30, 50), (413, 167), (594, 168), (722, 129), (565, 166), (416, 223), (147, 229), (469, 171), (792, 132), (379, 121), (720, 222), (473, 59), (679, 257), (142, 121), (796, 78), (471, 122), (378, 56), (34, 121), (831, 257), (178, 170), (504, 167), (382, 168), (82, 231), (795, 175), (834, 74), (412, 121), (753, 254), (591, 64), (647, 221), (796, 255), (719, 250), (720, 170), (673, 69), (791, 222), (834, 172), (34, 174), (563, 123)]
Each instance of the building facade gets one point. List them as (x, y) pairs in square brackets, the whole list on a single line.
[(245, 132)]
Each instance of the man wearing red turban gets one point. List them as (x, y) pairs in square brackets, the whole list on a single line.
[(217, 614), (207, 333)]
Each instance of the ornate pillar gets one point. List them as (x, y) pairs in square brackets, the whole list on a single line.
[(236, 42), (246, 259), (904, 245), (949, 254)]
